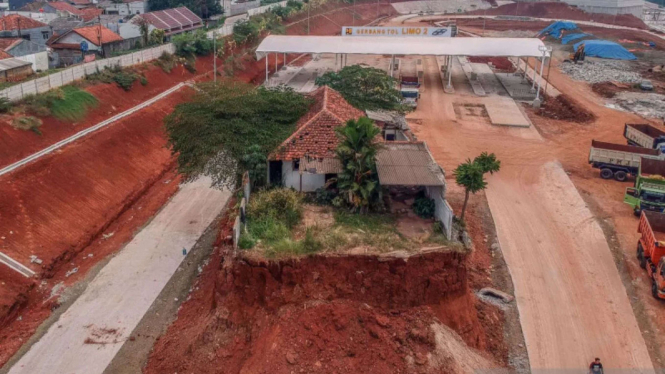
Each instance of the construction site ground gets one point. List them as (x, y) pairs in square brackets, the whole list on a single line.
[(567, 238)]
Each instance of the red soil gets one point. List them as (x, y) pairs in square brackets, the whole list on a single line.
[(113, 181), (500, 63), (565, 108), (346, 314), (17, 144), (561, 11)]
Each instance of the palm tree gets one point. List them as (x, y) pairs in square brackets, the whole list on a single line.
[(471, 175), (358, 181)]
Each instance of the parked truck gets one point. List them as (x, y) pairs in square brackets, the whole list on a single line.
[(410, 95), (408, 73), (649, 190), (643, 135), (618, 160), (651, 248)]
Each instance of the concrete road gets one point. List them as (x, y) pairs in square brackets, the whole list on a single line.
[(89, 334), (572, 303)]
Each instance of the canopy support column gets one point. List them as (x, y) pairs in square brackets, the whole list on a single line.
[(276, 65), (533, 80), (526, 64), (450, 72), (266, 82), (284, 61), (540, 77), (392, 65)]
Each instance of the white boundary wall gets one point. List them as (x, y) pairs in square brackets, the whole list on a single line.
[(61, 78)]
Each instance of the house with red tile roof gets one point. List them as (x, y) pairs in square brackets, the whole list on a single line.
[(63, 9), (306, 160), (74, 44), (15, 25)]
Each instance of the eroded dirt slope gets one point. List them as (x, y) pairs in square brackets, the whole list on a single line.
[(344, 314)]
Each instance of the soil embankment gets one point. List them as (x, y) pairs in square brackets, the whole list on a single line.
[(327, 314)]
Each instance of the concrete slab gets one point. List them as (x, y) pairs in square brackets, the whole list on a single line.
[(89, 334), (488, 80), (503, 111), (517, 87), (471, 76)]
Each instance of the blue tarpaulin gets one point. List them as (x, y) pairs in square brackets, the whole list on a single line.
[(570, 37), (605, 49), (555, 28)]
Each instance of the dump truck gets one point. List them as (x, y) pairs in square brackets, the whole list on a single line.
[(618, 161), (410, 95), (643, 135), (649, 190), (408, 73), (651, 248)]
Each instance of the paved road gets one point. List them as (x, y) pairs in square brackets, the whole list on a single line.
[(89, 334), (572, 303)]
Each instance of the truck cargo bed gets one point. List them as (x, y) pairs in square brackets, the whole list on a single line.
[(652, 167), (657, 223), (624, 148), (647, 129)]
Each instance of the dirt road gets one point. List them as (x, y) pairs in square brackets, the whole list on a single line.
[(89, 334), (572, 303)]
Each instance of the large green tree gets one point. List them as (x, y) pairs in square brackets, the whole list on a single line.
[(358, 181), (227, 127), (364, 87), (471, 175)]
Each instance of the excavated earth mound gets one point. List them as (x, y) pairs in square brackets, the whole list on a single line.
[(327, 314)]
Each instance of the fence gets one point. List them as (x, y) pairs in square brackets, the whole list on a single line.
[(239, 8), (241, 218), (64, 77), (228, 29)]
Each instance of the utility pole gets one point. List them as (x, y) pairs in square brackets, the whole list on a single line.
[(214, 57), (309, 5), (99, 35)]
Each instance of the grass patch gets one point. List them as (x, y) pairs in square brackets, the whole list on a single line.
[(74, 104), (68, 103), (365, 222), (28, 123)]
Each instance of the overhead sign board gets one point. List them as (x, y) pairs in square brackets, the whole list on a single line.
[(398, 31)]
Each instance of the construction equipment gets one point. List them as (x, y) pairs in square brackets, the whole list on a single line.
[(644, 135), (618, 161), (650, 250), (649, 190), (579, 54)]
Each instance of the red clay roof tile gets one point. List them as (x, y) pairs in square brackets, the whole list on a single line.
[(315, 135), (92, 34), (15, 21)]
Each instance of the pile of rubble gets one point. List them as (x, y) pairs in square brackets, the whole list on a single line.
[(647, 105), (601, 71)]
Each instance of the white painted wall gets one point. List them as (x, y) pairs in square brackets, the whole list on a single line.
[(310, 182), (129, 30), (74, 38), (124, 9), (38, 60)]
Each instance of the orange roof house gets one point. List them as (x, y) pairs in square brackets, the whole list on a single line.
[(315, 135), (96, 36)]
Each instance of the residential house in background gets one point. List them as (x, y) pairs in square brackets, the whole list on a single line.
[(15, 25), (173, 21), (62, 9), (130, 30), (81, 4), (27, 51), (12, 69), (124, 8), (72, 46), (61, 25)]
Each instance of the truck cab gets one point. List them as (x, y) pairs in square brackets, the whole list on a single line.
[(648, 194), (651, 250)]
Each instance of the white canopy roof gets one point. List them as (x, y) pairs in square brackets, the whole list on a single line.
[(386, 45)]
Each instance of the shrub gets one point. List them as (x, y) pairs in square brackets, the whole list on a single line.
[(5, 105), (190, 66), (269, 229), (246, 241), (143, 80), (323, 196), (166, 61), (125, 80), (73, 105), (309, 243), (28, 123), (424, 207), (282, 205)]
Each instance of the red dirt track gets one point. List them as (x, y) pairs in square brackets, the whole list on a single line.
[(561, 11)]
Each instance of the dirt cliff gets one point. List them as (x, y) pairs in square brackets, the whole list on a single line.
[(342, 314)]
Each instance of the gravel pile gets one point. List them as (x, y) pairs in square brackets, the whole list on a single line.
[(647, 105), (601, 71)]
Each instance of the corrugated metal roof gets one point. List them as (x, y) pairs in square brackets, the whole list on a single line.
[(320, 166), (12, 63), (389, 117), (408, 164), (173, 19)]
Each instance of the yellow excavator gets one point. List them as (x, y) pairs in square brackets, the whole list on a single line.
[(579, 54)]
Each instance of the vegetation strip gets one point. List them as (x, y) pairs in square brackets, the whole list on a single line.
[(87, 131)]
